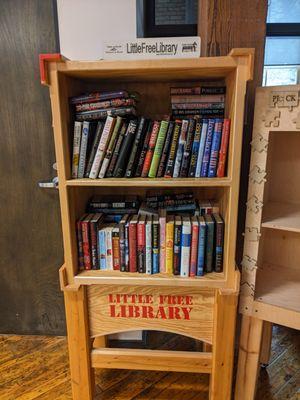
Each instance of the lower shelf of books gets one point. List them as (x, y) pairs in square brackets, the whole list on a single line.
[(213, 279)]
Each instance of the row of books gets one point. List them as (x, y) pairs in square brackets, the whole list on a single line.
[(118, 147), (96, 105), (117, 234), (203, 101)]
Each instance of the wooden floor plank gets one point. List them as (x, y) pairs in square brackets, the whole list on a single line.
[(36, 368)]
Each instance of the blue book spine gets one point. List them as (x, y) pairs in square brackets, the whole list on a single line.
[(102, 249), (201, 249), (201, 147), (215, 148), (207, 148)]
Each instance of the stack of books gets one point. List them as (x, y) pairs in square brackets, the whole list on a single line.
[(119, 235)]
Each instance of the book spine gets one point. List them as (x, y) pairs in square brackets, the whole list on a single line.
[(219, 246), (172, 197), (187, 149), (148, 258), (165, 152), (198, 106), (207, 148), (213, 90), (155, 248), (94, 205), (195, 150), (132, 247), (201, 249), (76, 148), (223, 148), (201, 147), (158, 149), (110, 148), (132, 159), (180, 149), (141, 247), (86, 245), (102, 248), (162, 243), (173, 150), (169, 247), (127, 247), (91, 97), (105, 104), (194, 249), (94, 245), (125, 149), (150, 151), (113, 161), (109, 256), (205, 112), (177, 249), (116, 249), (213, 98), (83, 149), (104, 113), (209, 247), (94, 149), (185, 91), (143, 152), (122, 246), (215, 147), (185, 250), (80, 245), (101, 147)]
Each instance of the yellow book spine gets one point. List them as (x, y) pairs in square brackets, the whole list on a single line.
[(169, 246)]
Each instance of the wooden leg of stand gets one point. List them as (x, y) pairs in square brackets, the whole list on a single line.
[(79, 343), (248, 362), (223, 346), (265, 350)]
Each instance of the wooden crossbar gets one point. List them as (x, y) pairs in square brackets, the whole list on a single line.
[(155, 360)]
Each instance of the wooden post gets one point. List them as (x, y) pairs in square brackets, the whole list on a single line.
[(266, 343), (79, 343), (223, 346), (248, 362)]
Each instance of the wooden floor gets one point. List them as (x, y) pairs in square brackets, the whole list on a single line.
[(37, 368)]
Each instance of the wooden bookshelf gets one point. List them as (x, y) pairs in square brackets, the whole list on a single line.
[(270, 287), (89, 295)]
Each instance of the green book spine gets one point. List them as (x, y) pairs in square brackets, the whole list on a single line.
[(158, 149)]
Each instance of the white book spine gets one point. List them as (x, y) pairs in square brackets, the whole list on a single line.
[(101, 148), (201, 149), (148, 234), (104, 167), (76, 148), (180, 150), (83, 148), (109, 263), (185, 249)]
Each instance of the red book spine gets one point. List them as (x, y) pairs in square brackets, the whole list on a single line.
[(132, 247), (116, 250), (151, 147), (86, 245), (80, 245), (223, 148), (194, 250), (141, 246)]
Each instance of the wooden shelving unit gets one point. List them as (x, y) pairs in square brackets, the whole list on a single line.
[(270, 288), (89, 295)]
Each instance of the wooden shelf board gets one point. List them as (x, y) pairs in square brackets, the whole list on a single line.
[(279, 286), (282, 216), (151, 182), (213, 280)]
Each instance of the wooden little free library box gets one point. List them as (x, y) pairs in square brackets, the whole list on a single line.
[(99, 303)]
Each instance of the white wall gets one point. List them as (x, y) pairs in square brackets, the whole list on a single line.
[(85, 24)]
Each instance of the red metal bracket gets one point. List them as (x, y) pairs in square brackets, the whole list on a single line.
[(43, 58)]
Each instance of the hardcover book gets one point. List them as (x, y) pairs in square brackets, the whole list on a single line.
[(207, 148), (215, 147), (210, 236), (177, 245), (165, 152), (201, 246), (122, 229), (125, 149), (133, 243), (162, 239), (223, 148), (94, 148), (219, 242), (169, 244), (116, 248), (201, 147), (158, 149), (116, 152), (141, 244), (102, 248), (80, 242), (195, 150), (148, 233), (185, 247), (173, 150), (151, 147), (98, 96), (113, 103), (104, 113), (85, 226), (187, 149), (83, 148), (76, 148), (180, 149), (132, 163), (94, 227), (144, 149), (155, 245), (194, 246)]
